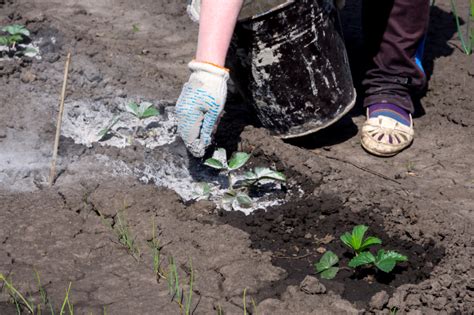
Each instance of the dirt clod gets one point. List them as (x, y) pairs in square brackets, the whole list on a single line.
[(379, 300), (311, 285)]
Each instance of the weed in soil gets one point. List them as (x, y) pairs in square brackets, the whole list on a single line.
[(23, 305), (155, 247), (467, 40), (176, 291), (122, 231), (293, 233)]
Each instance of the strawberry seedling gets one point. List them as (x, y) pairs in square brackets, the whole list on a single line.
[(11, 42), (384, 260), (238, 188), (356, 240), (140, 111), (108, 129)]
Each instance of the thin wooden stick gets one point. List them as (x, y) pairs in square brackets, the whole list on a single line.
[(52, 172)]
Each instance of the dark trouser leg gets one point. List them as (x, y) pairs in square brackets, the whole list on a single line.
[(393, 31)]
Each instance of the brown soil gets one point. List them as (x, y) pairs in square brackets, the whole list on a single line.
[(419, 202)]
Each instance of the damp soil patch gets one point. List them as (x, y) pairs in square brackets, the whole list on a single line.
[(298, 232)]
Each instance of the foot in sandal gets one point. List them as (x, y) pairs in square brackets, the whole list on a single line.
[(388, 129)]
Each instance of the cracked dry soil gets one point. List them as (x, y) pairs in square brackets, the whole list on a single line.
[(419, 202)]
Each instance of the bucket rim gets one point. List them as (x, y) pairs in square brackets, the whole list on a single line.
[(272, 10)]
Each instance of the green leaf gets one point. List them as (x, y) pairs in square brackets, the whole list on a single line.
[(135, 28), (267, 173), (15, 38), (16, 29), (238, 160), (244, 200), (386, 261), (346, 238), (221, 156), (103, 132), (228, 199), (150, 112), (370, 241), (142, 107), (328, 260), (133, 108), (250, 175), (329, 273), (30, 52), (214, 163), (363, 258), (358, 236), (4, 41), (203, 189)]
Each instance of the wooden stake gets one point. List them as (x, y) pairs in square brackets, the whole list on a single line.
[(52, 172)]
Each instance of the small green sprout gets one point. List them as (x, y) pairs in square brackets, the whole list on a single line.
[(326, 265), (23, 306), (173, 279), (155, 247), (108, 129), (135, 28), (16, 33), (43, 294), (189, 296), (238, 192), (123, 233), (183, 300), (202, 190), (467, 40), (356, 240), (16, 295), (67, 303), (125, 236), (142, 110), (385, 260)]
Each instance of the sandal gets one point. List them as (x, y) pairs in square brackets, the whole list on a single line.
[(385, 136)]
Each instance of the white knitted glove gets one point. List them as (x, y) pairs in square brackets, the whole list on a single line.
[(194, 9), (200, 105)]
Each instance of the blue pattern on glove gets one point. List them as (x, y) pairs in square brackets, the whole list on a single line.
[(197, 113)]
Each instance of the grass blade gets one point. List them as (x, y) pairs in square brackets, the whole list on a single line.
[(190, 295)]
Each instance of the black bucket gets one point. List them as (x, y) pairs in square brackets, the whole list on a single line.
[(291, 64)]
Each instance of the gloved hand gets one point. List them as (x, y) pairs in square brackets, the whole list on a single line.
[(194, 9), (200, 105)]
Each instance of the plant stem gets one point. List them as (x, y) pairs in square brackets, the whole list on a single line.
[(245, 302), (466, 46), (16, 293), (229, 178)]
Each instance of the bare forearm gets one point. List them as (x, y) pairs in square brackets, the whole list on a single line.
[(217, 23)]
